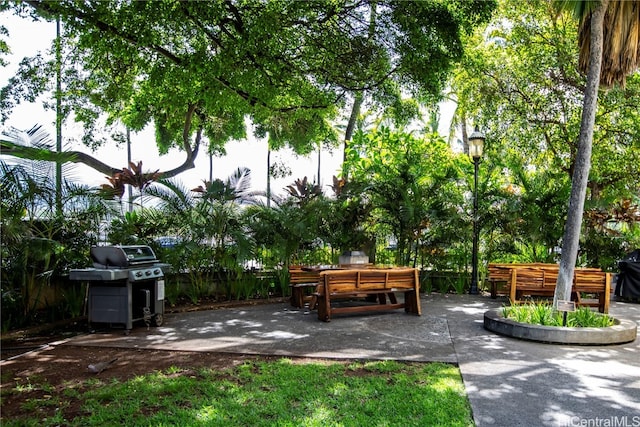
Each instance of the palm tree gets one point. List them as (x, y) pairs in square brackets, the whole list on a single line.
[(609, 41), (236, 188)]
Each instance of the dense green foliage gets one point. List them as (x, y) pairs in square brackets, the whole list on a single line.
[(38, 242), (406, 195), (410, 182), (524, 74)]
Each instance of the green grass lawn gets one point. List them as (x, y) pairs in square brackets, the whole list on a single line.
[(281, 393)]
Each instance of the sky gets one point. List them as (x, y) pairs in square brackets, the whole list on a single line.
[(26, 38)]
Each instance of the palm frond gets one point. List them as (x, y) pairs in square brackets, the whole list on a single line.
[(34, 149), (621, 44), (240, 180), (172, 194), (578, 8)]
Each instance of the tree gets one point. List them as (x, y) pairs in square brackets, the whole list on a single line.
[(287, 229), (235, 188), (346, 217), (197, 69), (608, 53), (406, 179), (520, 81), (435, 49), (211, 240)]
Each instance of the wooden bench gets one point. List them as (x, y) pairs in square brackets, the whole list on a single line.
[(383, 283), (587, 281), (539, 279), (500, 275), (302, 284)]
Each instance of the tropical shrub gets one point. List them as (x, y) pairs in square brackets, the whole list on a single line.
[(46, 230), (544, 314)]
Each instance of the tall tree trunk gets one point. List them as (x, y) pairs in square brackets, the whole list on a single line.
[(358, 96), (351, 125), (268, 177), (58, 117), (210, 166), (571, 238), (465, 135), (319, 152), (129, 186)]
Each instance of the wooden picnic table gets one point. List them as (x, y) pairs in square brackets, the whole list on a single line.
[(303, 280), (380, 283), (320, 268)]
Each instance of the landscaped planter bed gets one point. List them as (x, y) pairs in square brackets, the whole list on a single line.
[(622, 332)]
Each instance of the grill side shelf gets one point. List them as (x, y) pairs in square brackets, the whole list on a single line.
[(96, 274)]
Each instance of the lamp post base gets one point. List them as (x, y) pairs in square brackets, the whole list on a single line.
[(473, 290)]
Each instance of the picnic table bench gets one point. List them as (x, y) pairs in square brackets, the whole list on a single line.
[(303, 280), (383, 283), (539, 279), (302, 283)]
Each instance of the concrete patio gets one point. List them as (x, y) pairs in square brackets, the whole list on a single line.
[(509, 382)]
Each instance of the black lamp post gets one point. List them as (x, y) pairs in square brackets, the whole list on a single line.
[(476, 144)]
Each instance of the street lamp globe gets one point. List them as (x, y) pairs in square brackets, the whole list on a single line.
[(476, 144)]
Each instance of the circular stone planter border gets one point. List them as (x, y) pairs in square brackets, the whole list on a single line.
[(623, 331)]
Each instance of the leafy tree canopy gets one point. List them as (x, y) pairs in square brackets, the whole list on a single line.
[(526, 74), (524, 84), (201, 68)]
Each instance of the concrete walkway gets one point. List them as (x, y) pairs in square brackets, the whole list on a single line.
[(509, 382)]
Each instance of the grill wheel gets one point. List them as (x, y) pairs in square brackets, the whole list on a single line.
[(157, 320)]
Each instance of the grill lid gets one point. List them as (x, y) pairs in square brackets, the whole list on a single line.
[(121, 256)]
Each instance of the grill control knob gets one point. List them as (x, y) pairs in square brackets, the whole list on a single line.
[(138, 273), (148, 272), (156, 271)]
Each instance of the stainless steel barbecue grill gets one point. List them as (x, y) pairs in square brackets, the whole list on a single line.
[(125, 285)]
